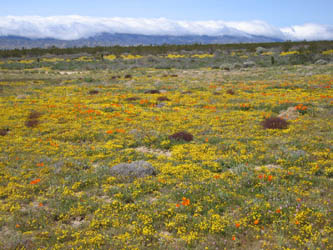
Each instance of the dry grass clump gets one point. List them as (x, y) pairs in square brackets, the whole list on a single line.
[(128, 76), (152, 91), (230, 92), (4, 131), (181, 136), (275, 123), (173, 75), (163, 98)]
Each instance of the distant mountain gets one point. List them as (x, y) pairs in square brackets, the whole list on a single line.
[(109, 39)]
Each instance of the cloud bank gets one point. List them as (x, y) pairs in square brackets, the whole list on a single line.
[(75, 27)]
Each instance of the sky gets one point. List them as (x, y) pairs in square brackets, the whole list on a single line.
[(294, 19)]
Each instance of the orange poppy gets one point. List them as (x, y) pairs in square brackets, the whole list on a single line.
[(35, 181), (186, 201)]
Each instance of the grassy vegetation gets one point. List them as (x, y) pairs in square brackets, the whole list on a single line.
[(224, 179), (218, 56), (313, 46)]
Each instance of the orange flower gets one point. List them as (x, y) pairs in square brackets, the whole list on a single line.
[(256, 222), (35, 181), (260, 176), (54, 144), (186, 201), (143, 101), (270, 178), (161, 180), (109, 132), (278, 210), (216, 176), (120, 130), (177, 205), (17, 225), (237, 225), (40, 205), (41, 164), (233, 237)]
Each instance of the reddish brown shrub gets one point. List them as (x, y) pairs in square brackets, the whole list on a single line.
[(163, 98), (152, 91), (230, 92), (31, 123), (134, 98), (275, 123), (34, 115), (128, 76), (181, 136), (93, 92), (4, 131)]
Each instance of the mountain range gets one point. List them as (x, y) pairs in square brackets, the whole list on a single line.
[(123, 39)]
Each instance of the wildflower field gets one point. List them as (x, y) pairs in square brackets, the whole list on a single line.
[(235, 180)]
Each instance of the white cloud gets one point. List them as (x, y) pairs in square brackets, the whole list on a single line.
[(259, 28), (74, 27), (309, 31)]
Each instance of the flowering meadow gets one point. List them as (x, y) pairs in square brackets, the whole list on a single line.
[(235, 184)]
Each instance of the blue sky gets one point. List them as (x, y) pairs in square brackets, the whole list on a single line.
[(279, 13), (73, 19)]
